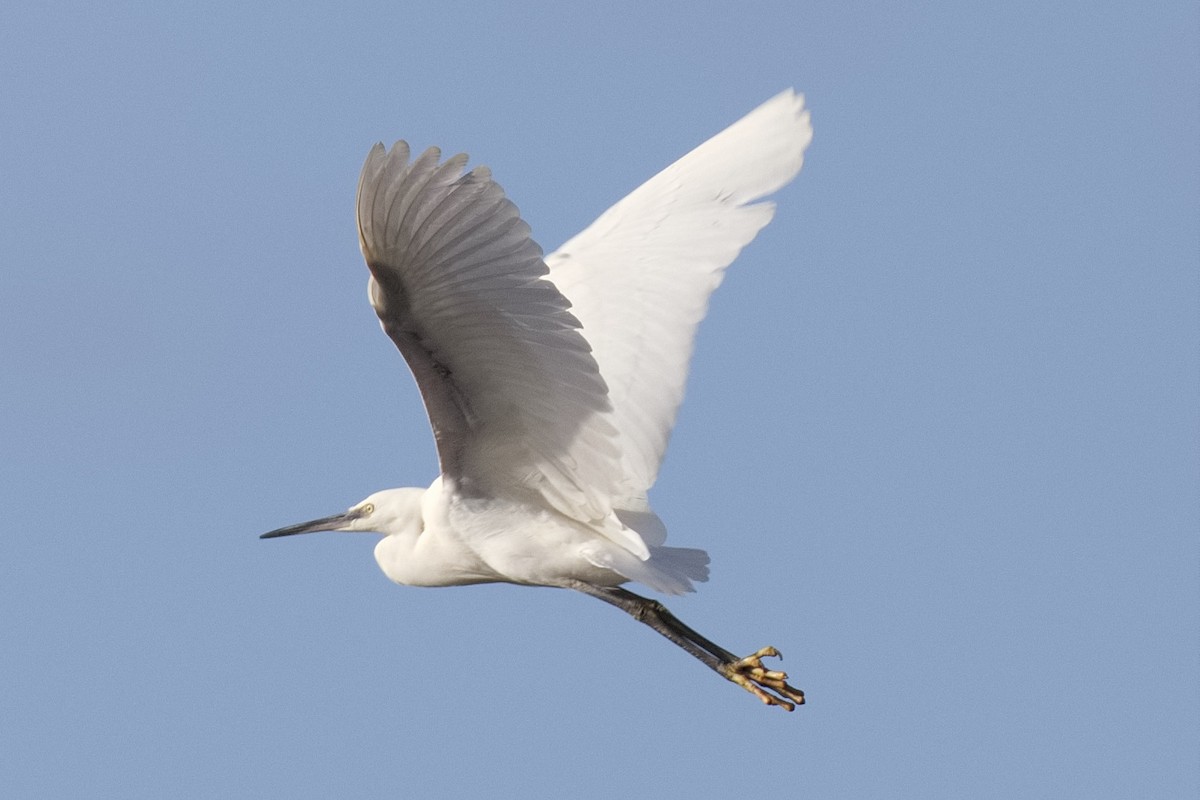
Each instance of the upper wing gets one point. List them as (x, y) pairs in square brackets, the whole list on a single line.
[(640, 276), (514, 396)]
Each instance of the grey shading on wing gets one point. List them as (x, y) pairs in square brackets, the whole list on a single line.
[(514, 396)]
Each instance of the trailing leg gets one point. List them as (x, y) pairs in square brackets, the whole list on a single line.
[(770, 686)]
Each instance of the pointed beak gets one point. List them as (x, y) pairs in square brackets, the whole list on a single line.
[(335, 523)]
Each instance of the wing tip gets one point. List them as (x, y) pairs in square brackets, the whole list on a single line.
[(789, 110)]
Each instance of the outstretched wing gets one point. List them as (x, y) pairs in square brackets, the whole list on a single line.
[(640, 276), (513, 393)]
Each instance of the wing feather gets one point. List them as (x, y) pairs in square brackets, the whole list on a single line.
[(513, 393), (639, 278)]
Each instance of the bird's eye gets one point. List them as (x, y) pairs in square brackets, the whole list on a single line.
[(369, 508)]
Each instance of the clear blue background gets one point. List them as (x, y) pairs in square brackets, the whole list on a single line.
[(941, 436)]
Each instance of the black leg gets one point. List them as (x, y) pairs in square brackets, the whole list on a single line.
[(747, 672)]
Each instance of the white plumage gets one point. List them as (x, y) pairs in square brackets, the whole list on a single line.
[(552, 384)]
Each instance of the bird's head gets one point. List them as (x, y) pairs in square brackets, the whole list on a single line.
[(388, 512)]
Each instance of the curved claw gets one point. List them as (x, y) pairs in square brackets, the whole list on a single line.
[(751, 675)]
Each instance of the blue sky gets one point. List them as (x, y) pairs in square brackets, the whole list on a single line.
[(940, 439)]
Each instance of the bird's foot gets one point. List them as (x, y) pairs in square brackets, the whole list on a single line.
[(751, 675)]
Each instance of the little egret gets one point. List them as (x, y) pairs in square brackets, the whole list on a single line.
[(552, 384)]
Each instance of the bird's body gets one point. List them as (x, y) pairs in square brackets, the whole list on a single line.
[(443, 538), (552, 383)]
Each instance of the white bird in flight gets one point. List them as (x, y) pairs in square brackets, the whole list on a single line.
[(552, 383)]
